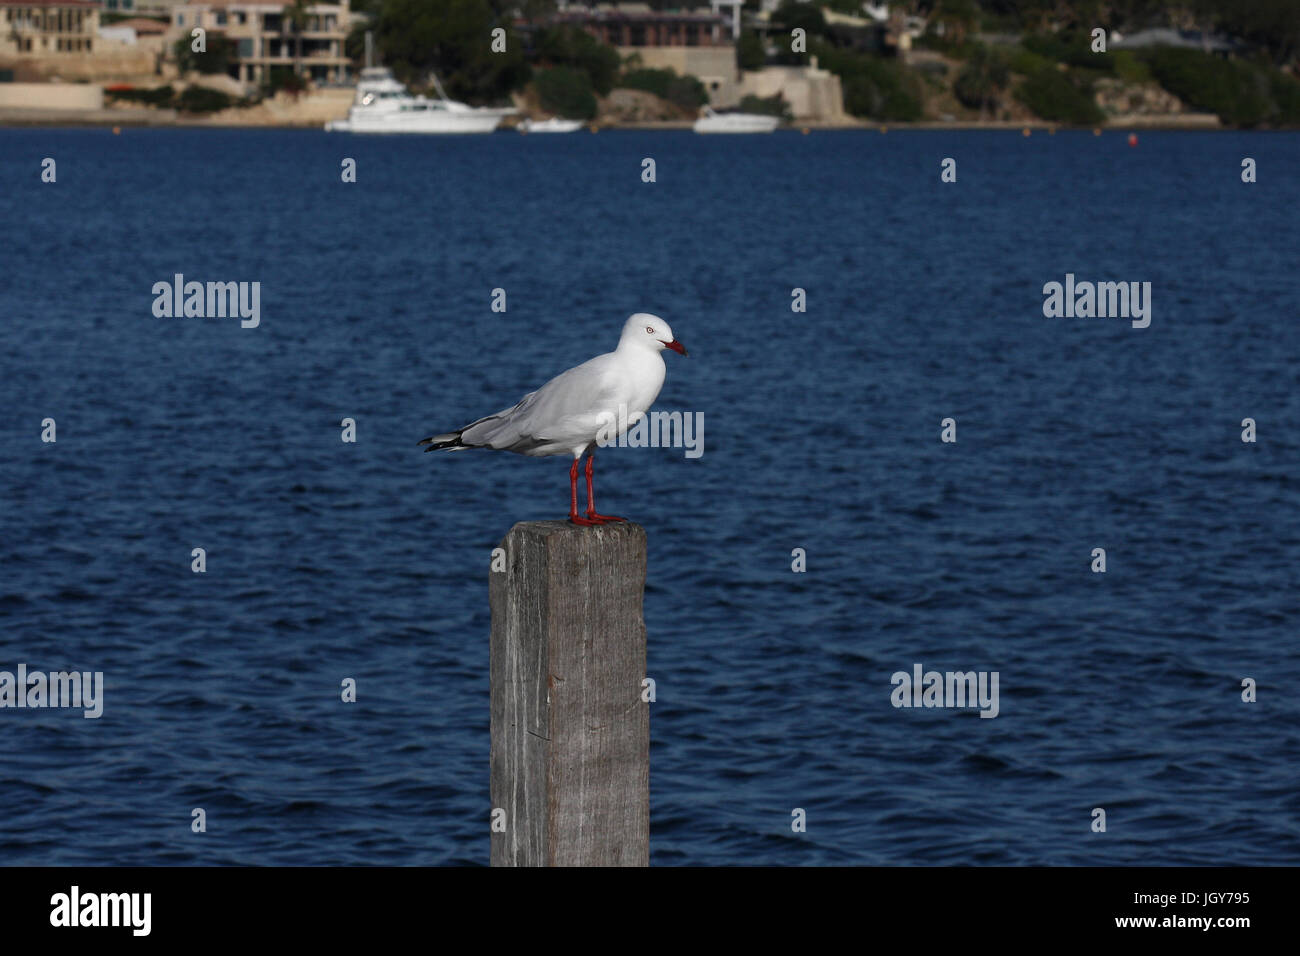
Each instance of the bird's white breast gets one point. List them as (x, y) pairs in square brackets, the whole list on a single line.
[(643, 377)]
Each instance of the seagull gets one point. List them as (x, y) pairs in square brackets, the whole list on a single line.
[(568, 413)]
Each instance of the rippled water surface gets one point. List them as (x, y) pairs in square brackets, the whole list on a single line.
[(328, 560)]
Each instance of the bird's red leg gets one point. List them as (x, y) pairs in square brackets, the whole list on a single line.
[(591, 501), (573, 496)]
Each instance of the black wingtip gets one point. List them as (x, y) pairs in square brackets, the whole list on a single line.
[(433, 444)]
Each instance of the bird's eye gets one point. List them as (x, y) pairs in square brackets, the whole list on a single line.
[(649, 330)]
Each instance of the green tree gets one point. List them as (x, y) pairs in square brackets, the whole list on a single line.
[(750, 54), (571, 46), (566, 91), (218, 55), (198, 99), (874, 87), (1056, 96), (1273, 24), (982, 80), (294, 16), (1239, 93), (283, 78), (793, 14), (451, 38), (1034, 15), (687, 93), (767, 105)]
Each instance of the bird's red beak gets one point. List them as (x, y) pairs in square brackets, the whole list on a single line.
[(677, 347)]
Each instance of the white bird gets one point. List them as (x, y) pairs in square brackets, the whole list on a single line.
[(569, 413)]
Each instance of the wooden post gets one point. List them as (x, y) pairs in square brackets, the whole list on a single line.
[(570, 733)]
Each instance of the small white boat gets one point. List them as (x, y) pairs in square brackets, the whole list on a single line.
[(383, 105), (553, 125), (713, 122)]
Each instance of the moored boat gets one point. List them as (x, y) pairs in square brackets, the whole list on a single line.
[(552, 125), (383, 105), (714, 122)]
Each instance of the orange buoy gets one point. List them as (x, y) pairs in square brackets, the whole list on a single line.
[(1132, 139), (806, 131), (884, 129), (117, 131), (1096, 131), (1051, 131), (1025, 131)]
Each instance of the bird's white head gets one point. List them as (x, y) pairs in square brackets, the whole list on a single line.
[(644, 330)]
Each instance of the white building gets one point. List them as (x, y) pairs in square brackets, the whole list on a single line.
[(264, 38)]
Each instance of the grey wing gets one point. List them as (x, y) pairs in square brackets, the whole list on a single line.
[(562, 408), (492, 430)]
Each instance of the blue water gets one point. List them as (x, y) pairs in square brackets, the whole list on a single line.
[(328, 560)]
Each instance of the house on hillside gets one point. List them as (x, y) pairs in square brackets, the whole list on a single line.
[(264, 39), (700, 42), (1214, 43), (39, 27)]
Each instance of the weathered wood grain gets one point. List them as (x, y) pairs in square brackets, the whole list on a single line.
[(570, 733)]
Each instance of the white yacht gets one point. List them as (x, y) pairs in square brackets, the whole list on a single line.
[(383, 105), (552, 125), (711, 122)]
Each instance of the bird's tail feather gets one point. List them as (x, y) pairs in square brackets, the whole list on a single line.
[(450, 441)]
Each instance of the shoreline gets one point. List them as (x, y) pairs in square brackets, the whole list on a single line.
[(155, 118)]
